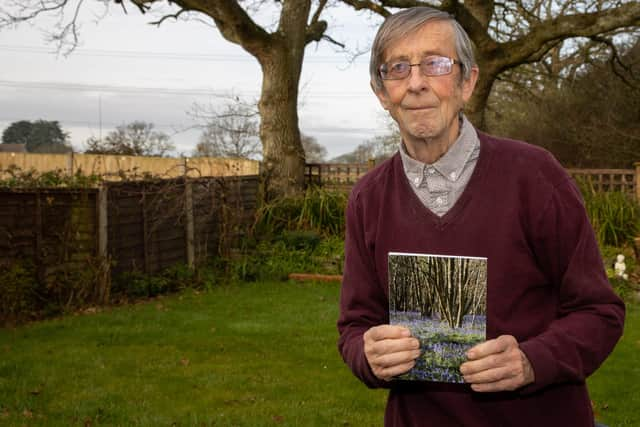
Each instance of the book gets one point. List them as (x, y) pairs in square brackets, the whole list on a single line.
[(442, 300)]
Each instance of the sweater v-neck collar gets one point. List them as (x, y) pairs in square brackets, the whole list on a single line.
[(475, 182)]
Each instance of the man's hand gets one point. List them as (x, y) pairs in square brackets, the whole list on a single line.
[(390, 350), (497, 365)]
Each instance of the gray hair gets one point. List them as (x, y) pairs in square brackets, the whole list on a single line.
[(407, 21)]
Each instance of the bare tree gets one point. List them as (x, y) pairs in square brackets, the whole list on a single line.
[(314, 152), (511, 33), (229, 132), (134, 139)]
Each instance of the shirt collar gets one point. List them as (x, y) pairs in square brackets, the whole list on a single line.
[(451, 164)]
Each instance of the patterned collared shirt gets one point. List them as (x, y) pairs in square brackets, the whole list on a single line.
[(439, 185)]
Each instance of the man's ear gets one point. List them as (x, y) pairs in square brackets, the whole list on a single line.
[(470, 84), (382, 96)]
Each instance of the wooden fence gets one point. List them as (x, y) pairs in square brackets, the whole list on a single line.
[(117, 167), (344, 175), (53, 229), (145, 226)]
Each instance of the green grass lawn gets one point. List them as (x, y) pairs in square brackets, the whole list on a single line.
[(245, 355), (615, 387)]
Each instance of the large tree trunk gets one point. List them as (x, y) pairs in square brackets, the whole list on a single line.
[(283, 155), (476, 107)]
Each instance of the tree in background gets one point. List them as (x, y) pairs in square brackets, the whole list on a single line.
[(134, 139), (378, 148), (40, 136), (314, 152), (230, 131), (587, 117), (17, 132)]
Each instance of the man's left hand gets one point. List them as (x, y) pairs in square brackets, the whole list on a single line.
[(497, 365)]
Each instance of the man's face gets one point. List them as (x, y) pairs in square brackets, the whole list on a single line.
[(426, 107)]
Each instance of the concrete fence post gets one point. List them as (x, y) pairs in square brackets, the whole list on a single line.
[(637, 179), (189, 224)]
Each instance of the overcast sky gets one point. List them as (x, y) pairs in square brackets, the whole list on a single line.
[(125, 69)]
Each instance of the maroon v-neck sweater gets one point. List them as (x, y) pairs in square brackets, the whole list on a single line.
[(546, 284)]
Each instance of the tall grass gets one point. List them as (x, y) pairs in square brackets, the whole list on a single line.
[(317, 209), (614, 215)]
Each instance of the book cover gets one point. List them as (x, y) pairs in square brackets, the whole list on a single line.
[(442, 300)]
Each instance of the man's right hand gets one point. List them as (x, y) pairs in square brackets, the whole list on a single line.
[(390, 350)]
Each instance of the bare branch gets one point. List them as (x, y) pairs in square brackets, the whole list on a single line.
[(174, 16), (369, 5), (548, 33), (316, 14), (333, 41)]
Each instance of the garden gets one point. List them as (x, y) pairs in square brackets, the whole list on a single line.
[(236, 343)]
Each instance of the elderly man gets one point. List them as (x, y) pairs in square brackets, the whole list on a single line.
[(552, 317)]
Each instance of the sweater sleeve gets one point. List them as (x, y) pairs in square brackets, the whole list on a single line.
[(589, 316), (362, 300)]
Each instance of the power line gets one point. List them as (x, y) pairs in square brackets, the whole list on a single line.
[(177, 56), (158, 90)]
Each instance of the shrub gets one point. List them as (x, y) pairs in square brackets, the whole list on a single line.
[(614, 215), (316, 210), (275, 259), (18, 291), (136, 284)]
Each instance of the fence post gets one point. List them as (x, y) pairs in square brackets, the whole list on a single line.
[(637, 165), (70, 163), (104, 279), (103, 218), (189, 226)]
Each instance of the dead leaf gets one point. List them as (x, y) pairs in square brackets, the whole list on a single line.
[(185, 362), (159, 306), (278, 418), (4, 413), (87, 422), (27, 413)]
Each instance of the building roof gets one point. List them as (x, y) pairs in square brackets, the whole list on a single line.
[(13, 148)]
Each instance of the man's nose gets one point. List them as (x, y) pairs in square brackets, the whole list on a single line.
[(417, 80)]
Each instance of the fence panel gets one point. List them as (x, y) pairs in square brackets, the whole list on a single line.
[(342, 176), (607, 179), (53, 229)]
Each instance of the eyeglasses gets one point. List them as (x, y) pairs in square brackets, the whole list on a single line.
[(430, 66)]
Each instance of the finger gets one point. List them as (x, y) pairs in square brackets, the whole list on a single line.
[(509, 384), (389, 346), (497, 345), (383, 332), (475, 366), (393, 359), (493, 375), (393, 371)]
